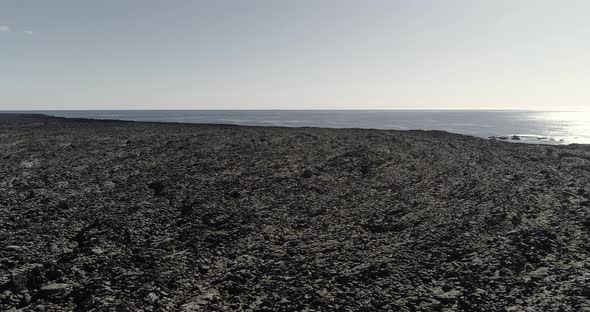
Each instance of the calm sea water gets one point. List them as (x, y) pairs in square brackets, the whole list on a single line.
[(531, 126)]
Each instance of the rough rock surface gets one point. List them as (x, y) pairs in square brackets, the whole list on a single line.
[(123, 216)]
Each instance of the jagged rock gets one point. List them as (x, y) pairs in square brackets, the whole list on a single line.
[(14, 248), (55, 292), (152, 298)]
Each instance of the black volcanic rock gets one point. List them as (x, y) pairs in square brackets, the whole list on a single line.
[(124, 216)]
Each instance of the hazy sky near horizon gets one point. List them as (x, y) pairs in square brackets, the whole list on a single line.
[(305, 54)]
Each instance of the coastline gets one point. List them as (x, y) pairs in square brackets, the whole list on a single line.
[(545, 127), (512, 138), (107, 214)]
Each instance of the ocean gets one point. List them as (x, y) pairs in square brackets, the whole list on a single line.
[(548, 127)]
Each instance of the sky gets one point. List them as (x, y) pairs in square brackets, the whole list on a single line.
[(304, 54)]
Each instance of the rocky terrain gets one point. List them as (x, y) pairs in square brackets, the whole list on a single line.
[(123, 216)]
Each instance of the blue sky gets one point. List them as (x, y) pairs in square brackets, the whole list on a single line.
[(324, 54)]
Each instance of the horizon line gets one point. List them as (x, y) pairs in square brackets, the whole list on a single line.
[(302, 109)]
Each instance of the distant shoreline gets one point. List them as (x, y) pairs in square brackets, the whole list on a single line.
[(500, 138)]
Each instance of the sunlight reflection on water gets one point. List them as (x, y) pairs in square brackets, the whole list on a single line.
[(572, 126)]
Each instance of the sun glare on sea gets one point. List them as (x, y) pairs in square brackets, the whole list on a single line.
[(574, 124)]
